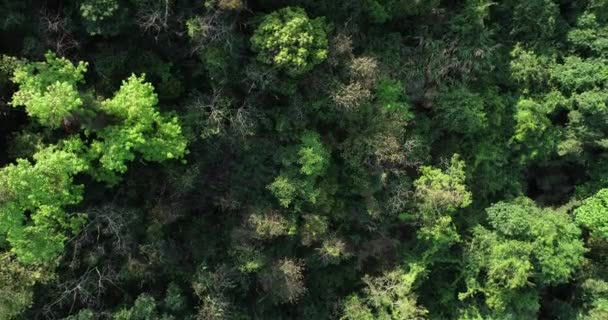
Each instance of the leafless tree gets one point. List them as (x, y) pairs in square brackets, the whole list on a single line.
[(219, 116), (102, 239), (154, 18), (211, 288), (54, 27), (210, 28), (284, 281), (86, 289)]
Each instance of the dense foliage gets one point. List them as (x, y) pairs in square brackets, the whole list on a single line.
[(304, 159)]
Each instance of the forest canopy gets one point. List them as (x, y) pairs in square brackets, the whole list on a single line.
[(300, 159)]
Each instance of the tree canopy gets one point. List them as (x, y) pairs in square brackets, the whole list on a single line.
[(304, 159)]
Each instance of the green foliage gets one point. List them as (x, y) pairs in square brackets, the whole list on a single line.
[(313, 229), (8, 65), (379, 14), (36, 195), (526, 249), (174, 301), (390, 96), (383, 10), (144, 308), (596, 293), (416, 7), (592, 214), (577, 74), (211, 288), (48, 90), (528, 68), (387, 297), (570, 87), (41, 191), (319, 183), (269, 225), (355, 309), (531, 121), (460, 110), (231, 4), (442, 191), (84, 314), (16, 284), (305, 164), (439, 194), (291, 41), (589, 35), (101, 17), (141, 129), (333, 251), (535, 20), (313, 156), (284, 189), (533, 129)]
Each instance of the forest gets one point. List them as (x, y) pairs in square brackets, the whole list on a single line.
[(304, 159)]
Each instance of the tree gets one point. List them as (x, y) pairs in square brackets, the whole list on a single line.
[(589, 35), (141, 129), (268, 225), (383, 10), (8, 65), (439, 194), (49, 90), (16, 284), (390, 97), (102, 17), (36, 195), (389, 297), (291, 41), (304, 166), (212, 288), (525, 250), (284, 281), (41, 191), (592, 214), (595, 296), (144, 308), (440, 191), (535, 20), (460, 110)]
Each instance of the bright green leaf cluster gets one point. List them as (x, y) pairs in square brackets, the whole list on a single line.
[(313, 155), (141, 129), (390, 96), (593, 214), (34, 196), (290, 40), (443, 191), (526, 249), (389, 297), (48, 90), (440, 193), (43, 189)]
